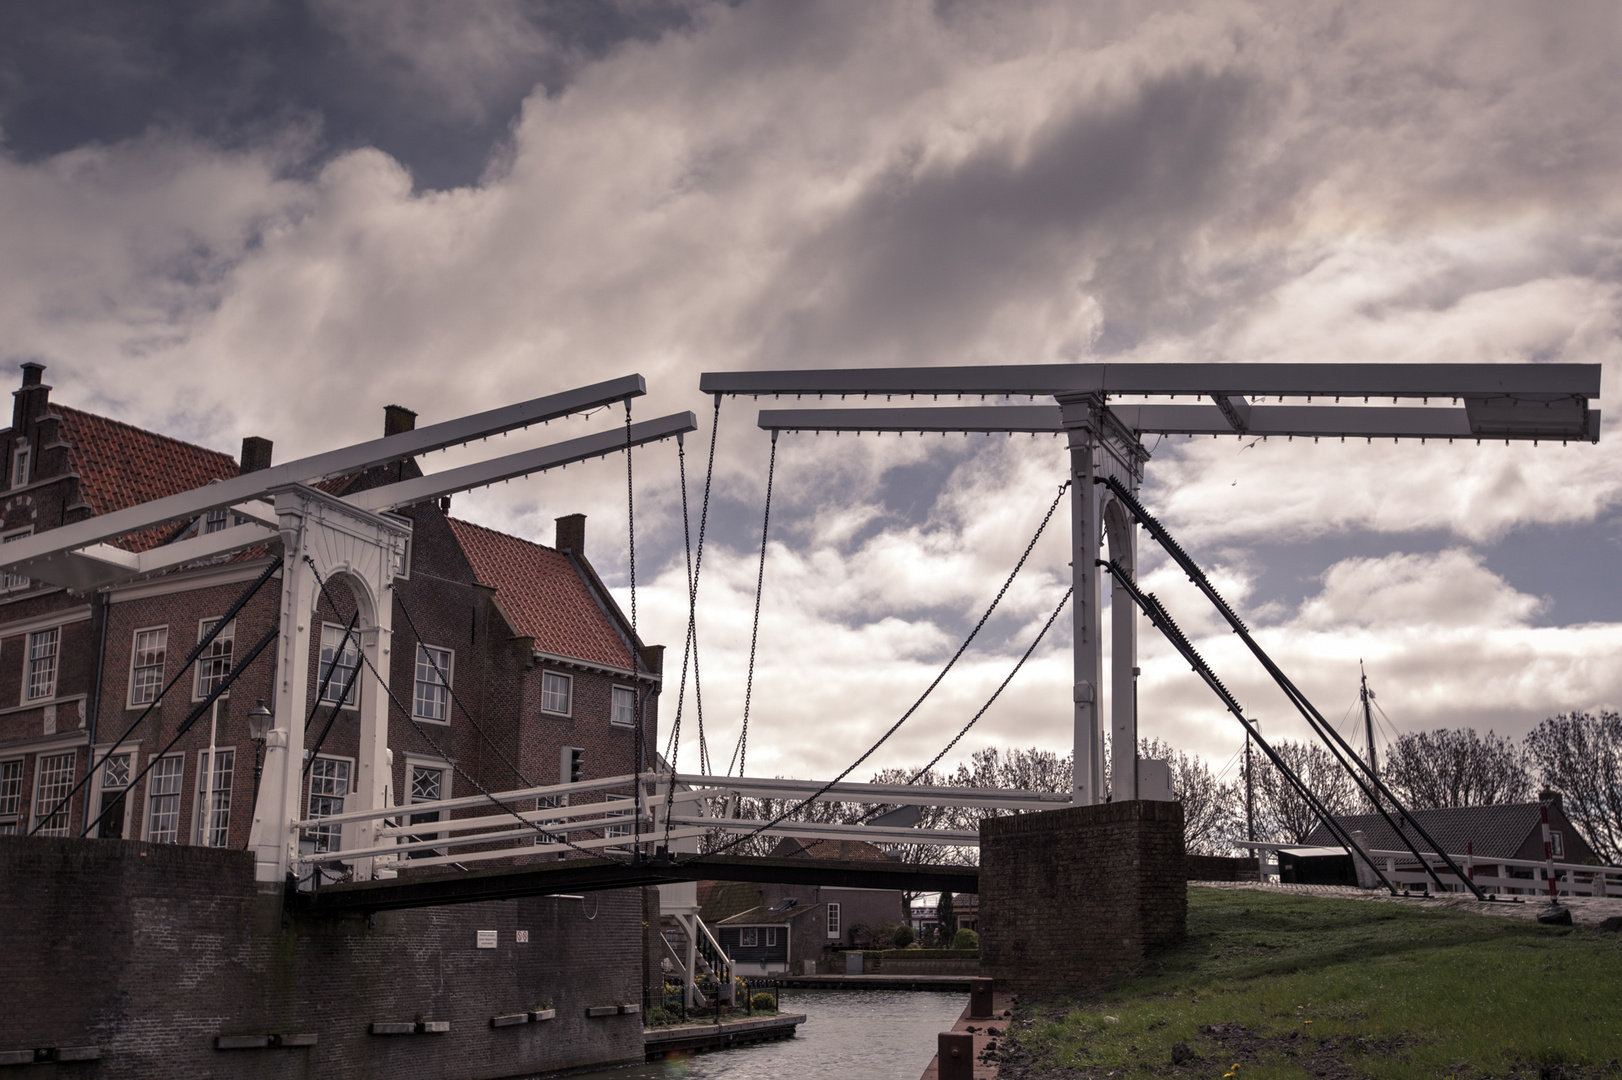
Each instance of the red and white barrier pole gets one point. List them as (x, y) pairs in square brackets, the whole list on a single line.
[(1548, 851)]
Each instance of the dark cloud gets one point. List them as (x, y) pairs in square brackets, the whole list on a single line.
[(1102, 202), (435, 86)]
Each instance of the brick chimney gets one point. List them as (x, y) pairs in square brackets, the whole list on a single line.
[(32, 401), (1552, 798), (571, 535), (255, 454), (398, 418)]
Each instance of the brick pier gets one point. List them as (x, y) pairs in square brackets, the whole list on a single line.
[(1070, 897)]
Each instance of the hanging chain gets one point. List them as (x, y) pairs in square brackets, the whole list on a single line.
[(803, 803), (754, 631), (690, 642), (440, 751)]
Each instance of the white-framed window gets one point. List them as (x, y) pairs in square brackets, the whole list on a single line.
[(11, 795), (212, 828), (146, 664), (215, 663), (556, 693), (1557, 845), (431, 697), (42, 645), (53, 779), (614, 831), (10, 582), (623, 712), (428, 783), (343, 663), (216, 521), (833, 920), (20, 460), (329, 785), (771, 937), (112, 804), (748, 938), (163, 800)]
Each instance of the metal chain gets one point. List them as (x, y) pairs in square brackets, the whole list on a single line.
[(639, 713), (742, 749), (802, 804), (690, 643), (439, 750)]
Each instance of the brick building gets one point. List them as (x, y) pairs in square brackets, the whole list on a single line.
[(767, 928), (511, 663)]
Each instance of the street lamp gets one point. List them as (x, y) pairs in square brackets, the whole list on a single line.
[(259, 720)]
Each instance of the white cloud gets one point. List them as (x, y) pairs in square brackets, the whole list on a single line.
[(819, 184)]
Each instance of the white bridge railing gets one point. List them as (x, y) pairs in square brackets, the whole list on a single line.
[(532, 819), (1400, 866)]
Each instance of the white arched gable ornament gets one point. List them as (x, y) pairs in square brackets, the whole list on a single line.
[(325, 538)]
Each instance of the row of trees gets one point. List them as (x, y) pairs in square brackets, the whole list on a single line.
[(1577, 754)]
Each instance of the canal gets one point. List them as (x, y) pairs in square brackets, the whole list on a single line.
[(851, 1034)]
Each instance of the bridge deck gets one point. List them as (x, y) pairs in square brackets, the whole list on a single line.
[(592, 875)]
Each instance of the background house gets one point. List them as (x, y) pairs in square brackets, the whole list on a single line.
[(511, 664), (1506, 831)]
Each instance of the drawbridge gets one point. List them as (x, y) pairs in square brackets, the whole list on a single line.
[(659, 825)]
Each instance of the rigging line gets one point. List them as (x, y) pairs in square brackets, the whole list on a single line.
[(202, 707), (321, 692), (922, 697), (1338, 747), (1162, 621), (742, 749), (205, 642), (434, 744)]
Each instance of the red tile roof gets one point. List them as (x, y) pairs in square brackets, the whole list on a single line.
[(120, 465), (542, 595)]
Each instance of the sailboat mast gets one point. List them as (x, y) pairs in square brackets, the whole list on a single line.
[(1368, 721)]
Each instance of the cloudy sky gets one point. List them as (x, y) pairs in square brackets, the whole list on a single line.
[(223, 219)]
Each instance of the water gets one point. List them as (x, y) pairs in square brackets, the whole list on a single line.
[(850, 1034)]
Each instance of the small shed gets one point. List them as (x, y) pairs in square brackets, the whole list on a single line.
[(1316, 866)]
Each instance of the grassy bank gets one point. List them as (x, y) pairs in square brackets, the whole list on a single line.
[(1295, 986)]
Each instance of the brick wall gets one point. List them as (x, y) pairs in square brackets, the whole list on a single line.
[(1069, 897), (1222, 868), (149, 952)]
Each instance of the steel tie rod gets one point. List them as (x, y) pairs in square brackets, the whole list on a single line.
[(1163, 622), (1314, 719)]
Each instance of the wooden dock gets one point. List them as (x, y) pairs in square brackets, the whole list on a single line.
[(694, 1038)]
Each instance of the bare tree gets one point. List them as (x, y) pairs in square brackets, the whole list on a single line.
[(1282, 813), (1212, 811), (1580, 755), (1450, 768)]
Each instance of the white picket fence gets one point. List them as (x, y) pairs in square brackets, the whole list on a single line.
[(1571, 879)]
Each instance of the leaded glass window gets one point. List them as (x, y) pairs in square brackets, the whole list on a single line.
[(212, 831), (431, 698), (42, 664), (146, 665), (163, 800), (215, 663), (343, 663), (329, 784)]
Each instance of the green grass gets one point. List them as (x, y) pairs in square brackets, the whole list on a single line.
[(1374, 988)]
